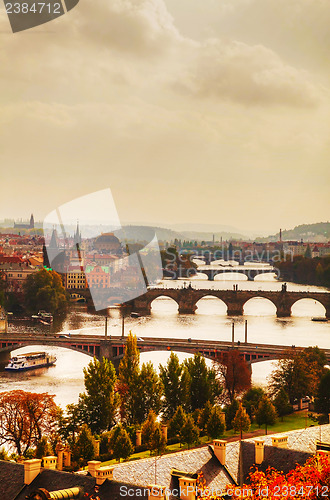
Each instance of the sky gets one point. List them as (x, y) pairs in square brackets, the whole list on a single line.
[(194, 111)]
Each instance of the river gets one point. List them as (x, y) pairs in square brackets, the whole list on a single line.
[(65, 379)]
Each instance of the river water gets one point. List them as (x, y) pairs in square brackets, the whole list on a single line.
[(65, 379)]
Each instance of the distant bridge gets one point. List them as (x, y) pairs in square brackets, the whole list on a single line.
[(113, 348), (251, 272)]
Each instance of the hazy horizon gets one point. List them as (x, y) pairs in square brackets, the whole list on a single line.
[(193, 111)]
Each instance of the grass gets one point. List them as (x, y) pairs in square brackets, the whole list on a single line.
[(291, 422)]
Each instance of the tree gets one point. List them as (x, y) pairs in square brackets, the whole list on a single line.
[(152, 435), (230, 412), (298, 373), (266, 413), (305, 481), (140, 389), (120, 443), (251, 399), (25, 417), (98, 405), (282, 405), (216, 423), (44, 290), (190, 432), (204, 385), (177, 422), (234, 372), (174, 379), (322, 402), (204, 416), (84, 447), (43, 448), (241, 422)]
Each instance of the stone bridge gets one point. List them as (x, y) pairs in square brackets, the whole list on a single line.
[(249, 271), (113, 348), (187, 299)]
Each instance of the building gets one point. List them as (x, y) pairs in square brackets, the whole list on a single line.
[(160, 478), (98, 276), (16, 274), (107, 243), (25, 226)]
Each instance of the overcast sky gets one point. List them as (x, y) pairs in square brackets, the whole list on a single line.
[(214, 111)]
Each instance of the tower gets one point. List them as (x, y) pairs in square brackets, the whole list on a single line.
[(281, 235), (31, 222), (77, 236)]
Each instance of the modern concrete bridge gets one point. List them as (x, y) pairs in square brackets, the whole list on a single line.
[(251, 272), (113, 348)]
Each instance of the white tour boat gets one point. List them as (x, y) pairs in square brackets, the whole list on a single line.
[(30, 360)]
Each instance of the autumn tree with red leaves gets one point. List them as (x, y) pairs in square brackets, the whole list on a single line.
[(234, 372), (25, 417)]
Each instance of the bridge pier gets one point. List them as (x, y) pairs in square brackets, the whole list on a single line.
[(234, 309), (187, 308)]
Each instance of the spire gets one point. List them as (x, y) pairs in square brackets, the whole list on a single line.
[(77, 236), (53, 244), (31, 222)]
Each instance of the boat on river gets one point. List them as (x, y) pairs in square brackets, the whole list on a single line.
[(30, 361), (44, 317)]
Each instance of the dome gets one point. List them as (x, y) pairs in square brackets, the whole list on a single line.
[(107, 242)]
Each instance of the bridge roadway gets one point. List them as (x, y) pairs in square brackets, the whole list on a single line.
[(113, 347)]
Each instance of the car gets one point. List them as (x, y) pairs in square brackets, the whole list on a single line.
[(139, 339), (64, 336)]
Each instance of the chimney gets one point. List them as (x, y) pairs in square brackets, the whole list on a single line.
[(219, 446), (97, 447), (31, 469), (164, 432), (67, 457), (280, 441), (103, 473), (59, 450), (93, 465), (187, 488), (156, 492), (259, 451), (49, 462), (138, 438)]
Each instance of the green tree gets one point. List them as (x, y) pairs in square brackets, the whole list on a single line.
[(322, 402), (190, 432), (84, 448), (216, 425), (158, 442), (230, 412), (241, 422), (204, 416), (251, 400), (175, 381), (308, 253), (204, 385), (282, 405), (98, 405), (120, 443), (43, 448), (140, 389), (152, 435), (44, 290), (266, 413), (177, 422)]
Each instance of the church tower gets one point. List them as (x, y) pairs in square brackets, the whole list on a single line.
[(77, 236), (31, 222)]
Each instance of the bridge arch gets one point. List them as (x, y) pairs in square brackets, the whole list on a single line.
[(89, 350), (230, 276), (172, 303), (266, 306), (308, 307), (218, 306)]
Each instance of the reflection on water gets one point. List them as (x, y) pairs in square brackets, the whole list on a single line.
[(65, 379)]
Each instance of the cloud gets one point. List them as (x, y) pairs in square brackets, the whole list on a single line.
[(252, 75)]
